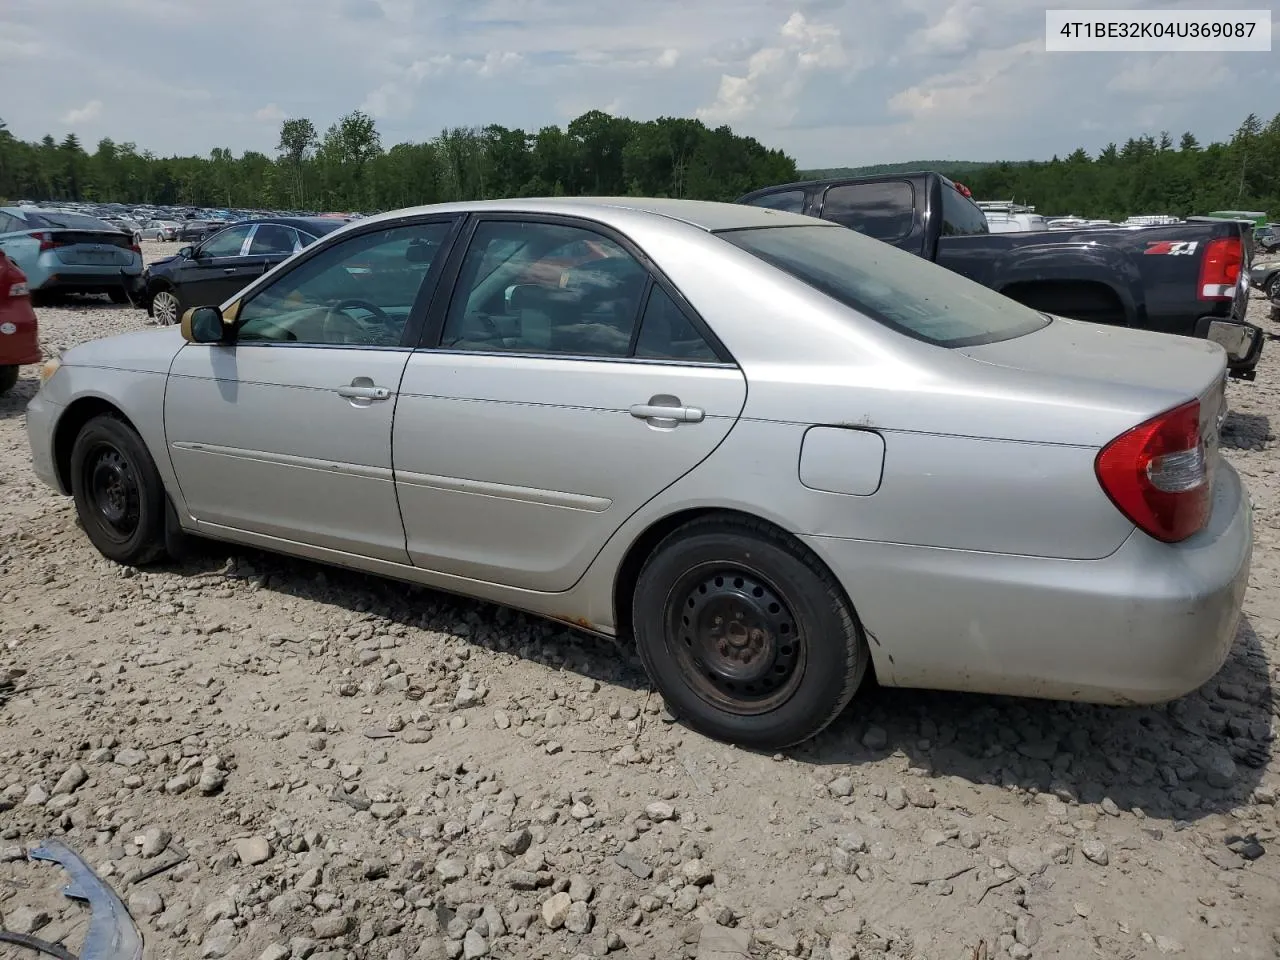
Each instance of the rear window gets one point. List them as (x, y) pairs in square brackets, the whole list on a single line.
[(961, 217), (898, 289), (74, 221), (883, 209), (792, 201)]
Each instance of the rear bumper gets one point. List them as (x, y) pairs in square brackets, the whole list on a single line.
[(19, 337), (1147, 624), (73, 279)]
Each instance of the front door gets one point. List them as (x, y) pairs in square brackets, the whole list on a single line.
[(287, 432), (567, 388), (209, 277)]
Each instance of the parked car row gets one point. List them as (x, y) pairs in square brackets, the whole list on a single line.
[(771, 453)]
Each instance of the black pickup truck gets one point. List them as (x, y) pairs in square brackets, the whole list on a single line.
[(1189, 278)]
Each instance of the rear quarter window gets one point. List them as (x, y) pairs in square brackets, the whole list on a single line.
[(960, 215)]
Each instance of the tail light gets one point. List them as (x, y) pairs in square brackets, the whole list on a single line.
[(1157, 474), (19, 289), (47, 240), (136, 247), (1220, 268)]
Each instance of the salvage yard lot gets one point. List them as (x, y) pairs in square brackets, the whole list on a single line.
[(358, 768)]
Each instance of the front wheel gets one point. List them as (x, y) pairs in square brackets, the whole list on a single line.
[(747, 636), (119, 496), (165, 308), (1273, 288), (8, 378)]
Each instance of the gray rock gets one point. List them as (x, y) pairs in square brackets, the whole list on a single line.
[(219, 941), (841, 787), (37, 796), (841, 947), (516, 842), (449, 870), (1096, 851), (474, 946), (71, 781), (1027, 930), (1218, 768), (129, 757), (145, 903), (331, 927), (211, 781), (698, 873), (579, 919), (26, 920), (276, 951), (1028, 861), (660, 811), (876, 738), (253, 850), (634, 865), (155, 840), (778, 937), (580, 888), (685, 901), (555, 911), (1168, 945), (896, 797)]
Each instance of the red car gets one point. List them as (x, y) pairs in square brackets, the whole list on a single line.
[(19, 343)]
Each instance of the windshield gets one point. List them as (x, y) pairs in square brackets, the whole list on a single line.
[(900, 290)]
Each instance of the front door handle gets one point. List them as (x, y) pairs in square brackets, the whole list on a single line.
[(363, 389), (229, 269), (665, 408)]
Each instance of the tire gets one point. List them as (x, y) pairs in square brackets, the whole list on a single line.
[(119, 496), (1273, 288), (8, 377), (119, 296), (795, 658), (166, 308)]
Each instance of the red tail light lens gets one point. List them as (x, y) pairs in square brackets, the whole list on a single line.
[(1157, 474), (47, 240), (1220, 268)]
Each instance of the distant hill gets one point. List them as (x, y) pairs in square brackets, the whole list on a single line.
[(948, 168)]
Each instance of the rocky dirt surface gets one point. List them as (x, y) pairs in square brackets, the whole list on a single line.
[(268, 758)]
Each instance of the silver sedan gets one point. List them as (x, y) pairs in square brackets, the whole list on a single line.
[(770, 453)]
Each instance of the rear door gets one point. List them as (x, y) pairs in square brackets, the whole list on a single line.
[(555, 398)]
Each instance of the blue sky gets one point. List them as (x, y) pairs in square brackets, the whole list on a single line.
[(832, 82)]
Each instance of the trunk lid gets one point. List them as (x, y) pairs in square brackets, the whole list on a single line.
[(90, 247)]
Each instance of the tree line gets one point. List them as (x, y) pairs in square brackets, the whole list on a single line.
[(1147, 175), (347, 167)]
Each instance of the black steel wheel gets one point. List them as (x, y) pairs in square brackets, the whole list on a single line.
[(119, 496), (746, 634)]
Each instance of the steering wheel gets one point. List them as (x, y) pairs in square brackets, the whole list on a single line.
[(380, 323)]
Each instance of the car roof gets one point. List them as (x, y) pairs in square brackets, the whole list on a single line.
[(706, 215), (311, 224)]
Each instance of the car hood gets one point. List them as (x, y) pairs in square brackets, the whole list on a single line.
[(147, 351)]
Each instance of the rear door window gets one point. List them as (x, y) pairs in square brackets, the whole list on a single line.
[(884, 210)]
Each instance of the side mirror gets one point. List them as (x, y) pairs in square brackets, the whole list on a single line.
[(205, 325)]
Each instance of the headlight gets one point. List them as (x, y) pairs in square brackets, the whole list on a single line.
[(49, 368)]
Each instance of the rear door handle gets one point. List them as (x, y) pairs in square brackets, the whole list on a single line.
[(660, 411)]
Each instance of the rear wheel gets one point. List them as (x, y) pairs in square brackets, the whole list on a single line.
[(119, 496), (8, 377), (1273, 288), (745, 634)]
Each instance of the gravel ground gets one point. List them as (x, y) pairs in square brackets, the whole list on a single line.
[(321, 764)]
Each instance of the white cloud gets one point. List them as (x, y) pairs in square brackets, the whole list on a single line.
[(90, 111), (1171, 75), (989, 83), (776, 76), (950, 33), (269, 114)]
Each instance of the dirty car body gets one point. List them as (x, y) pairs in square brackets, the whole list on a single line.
[(772, 453)]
